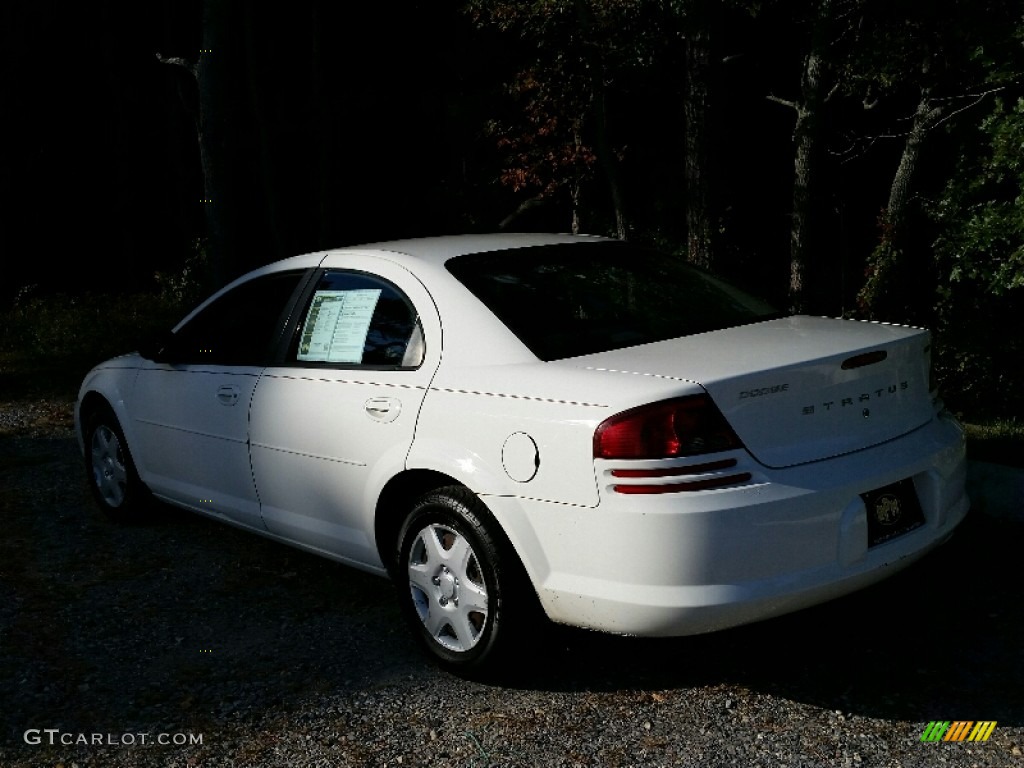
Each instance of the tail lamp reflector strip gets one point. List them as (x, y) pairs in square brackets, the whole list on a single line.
[(690, 486), (692, 469)]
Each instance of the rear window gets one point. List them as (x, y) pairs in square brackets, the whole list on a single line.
[(576, 299)]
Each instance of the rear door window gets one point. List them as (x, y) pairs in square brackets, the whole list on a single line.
[(353, 319)]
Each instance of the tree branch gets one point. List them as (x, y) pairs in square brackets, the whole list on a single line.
[(926, 122), (783, 102), (936, 113), (979, 95), (524, 206), (832, 92), (178, 61)]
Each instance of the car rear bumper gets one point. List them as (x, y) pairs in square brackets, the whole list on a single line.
[(687, 563)]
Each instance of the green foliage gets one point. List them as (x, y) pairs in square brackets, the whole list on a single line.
[(194, 282), (982, 211), (899, 275), (980, 255), (966, 68), (978, 377), (93, 327), (60, 326)]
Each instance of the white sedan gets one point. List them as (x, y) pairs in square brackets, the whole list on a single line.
[(517, 425)]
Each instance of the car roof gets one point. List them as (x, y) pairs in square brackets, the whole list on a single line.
[(438, 250), (432, 251)]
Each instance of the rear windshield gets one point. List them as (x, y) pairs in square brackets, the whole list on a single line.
[(576, 299)]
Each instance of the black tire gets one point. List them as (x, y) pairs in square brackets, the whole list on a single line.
[(461, 587), (109, 467)]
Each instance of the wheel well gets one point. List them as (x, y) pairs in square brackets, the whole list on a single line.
[(395, 502), (91, 402)]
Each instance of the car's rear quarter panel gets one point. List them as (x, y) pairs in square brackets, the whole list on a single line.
[(468, 415)]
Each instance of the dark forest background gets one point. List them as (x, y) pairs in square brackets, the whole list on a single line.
[(847, 157)]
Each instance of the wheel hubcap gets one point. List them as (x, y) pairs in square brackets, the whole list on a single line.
[(447, 587), (108, 471)]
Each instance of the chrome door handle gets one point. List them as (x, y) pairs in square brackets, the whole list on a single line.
[(227, 395), (383, 408)]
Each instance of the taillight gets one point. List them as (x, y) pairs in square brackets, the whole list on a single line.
[(686, 426)]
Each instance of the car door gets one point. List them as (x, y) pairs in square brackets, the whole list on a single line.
[(191, 406), (335, 420)]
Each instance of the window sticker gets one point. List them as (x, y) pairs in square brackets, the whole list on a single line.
[(336, 326)]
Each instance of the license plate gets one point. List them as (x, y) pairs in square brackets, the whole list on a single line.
[(892, 511)]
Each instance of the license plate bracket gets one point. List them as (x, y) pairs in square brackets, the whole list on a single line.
[(892, 511)]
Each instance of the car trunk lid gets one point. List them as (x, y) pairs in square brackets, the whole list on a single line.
[(797, 389)]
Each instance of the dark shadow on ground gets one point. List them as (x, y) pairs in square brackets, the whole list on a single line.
[(944, 636)]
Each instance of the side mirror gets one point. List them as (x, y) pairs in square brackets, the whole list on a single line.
[(157, 347)]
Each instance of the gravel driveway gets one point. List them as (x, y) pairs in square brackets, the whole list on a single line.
[(240, 652)]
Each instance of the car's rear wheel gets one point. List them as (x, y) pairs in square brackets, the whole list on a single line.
[(460, 586), (111, 473)]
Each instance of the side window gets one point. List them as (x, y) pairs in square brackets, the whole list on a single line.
[(355, 319), (240, 326)]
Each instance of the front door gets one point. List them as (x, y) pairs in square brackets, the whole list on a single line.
[(191, 408)]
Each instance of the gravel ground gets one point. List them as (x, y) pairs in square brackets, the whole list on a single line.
[(252, 654)]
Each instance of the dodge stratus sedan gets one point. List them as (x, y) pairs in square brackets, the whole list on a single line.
[(519, 426)]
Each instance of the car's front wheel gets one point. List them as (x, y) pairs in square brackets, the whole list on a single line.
[(115, 484), (460, 586)]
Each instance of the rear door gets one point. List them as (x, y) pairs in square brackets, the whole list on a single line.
[(335, 420)]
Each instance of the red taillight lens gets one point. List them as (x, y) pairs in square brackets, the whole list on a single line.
[(686, 426)]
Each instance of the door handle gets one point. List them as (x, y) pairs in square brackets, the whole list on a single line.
[(227, 395), (383, 408)]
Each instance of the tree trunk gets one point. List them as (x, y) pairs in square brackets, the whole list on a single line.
[(276, 248), (609, 163), (212, 76), (925, 118), (888, 290), (700, 224), (602, 144), (324, 106), (576, 183), (807, 135)]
